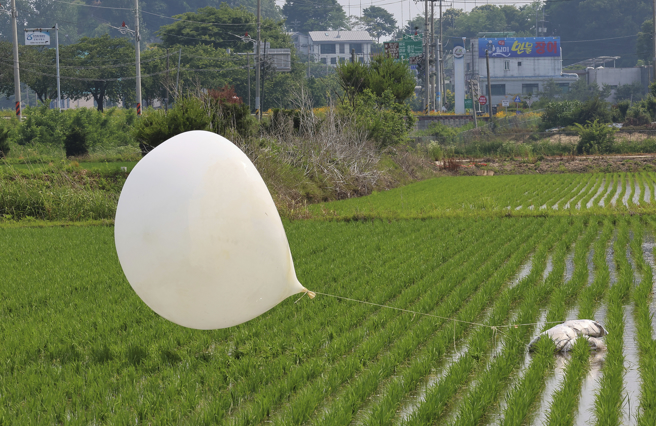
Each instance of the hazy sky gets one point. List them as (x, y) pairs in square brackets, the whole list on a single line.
[(403, 10)]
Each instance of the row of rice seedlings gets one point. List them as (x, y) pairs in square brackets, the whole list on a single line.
[(588, 183), (50, 338), (493, 380), (648, 188), (617, 191), (612, 188), (376, 334), (520, 397), (553, 186), (592, 295), (589, 203), (566, 195), (610, 398), (524, 394), (582, 200), (565, 400), (344, 316), (556, 193), (631, 191), (340, 410), (639, 190), (384, 410), (437, 398), (621, 191), (642, 297), (538, 190)]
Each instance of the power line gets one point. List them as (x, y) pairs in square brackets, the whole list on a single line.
[(133, 77)]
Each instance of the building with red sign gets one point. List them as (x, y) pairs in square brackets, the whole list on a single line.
[(518, 66)]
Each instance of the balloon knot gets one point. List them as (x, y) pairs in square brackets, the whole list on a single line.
[(310, 294)]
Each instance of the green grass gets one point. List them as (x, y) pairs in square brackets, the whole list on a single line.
[(80, 347)]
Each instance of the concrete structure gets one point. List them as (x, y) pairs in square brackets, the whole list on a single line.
[(302, 42), (615, 77), (512, 74), (333, 47)]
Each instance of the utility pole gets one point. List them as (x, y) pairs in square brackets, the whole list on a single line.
[(654, 36), (14, 33), (489, 86), (248, 58), (59, 100), (426, 60), (432, 50), (257, 62), (137, 39), (440, 98), (177, 78), (166, 105)]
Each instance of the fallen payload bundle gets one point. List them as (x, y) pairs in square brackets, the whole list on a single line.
[(564, 335)]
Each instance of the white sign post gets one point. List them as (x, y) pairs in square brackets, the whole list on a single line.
[(41, 37), (459, 77), (37, 37)]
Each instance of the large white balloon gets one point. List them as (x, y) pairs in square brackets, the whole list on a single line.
[(199, 237)]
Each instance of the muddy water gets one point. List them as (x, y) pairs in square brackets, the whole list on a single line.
[(555, 206), (524, 271), (411, 402), (496, 417), (647, 196), (613, 200), (602, 201), (632, 380), (648, 254), (586, 184), (610, 253), (589, 261), (553, 383), (590, 203), (569, 266), (627, 194), (636, 194)]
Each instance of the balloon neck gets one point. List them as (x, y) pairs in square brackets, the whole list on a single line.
[(310, 294)]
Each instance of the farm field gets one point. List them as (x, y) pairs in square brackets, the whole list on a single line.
[(518, 195), (79, 346)]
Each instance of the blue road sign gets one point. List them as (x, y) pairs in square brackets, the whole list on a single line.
[(517, 99)]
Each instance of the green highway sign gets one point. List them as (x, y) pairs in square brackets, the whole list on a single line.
[(408, 47), (469, 103)]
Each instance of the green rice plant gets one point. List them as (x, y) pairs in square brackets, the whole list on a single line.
[(565, 401), (406, 380), (642, 298), (491, 382), (609, 399)]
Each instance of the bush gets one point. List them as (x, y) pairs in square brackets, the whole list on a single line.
[(637, 115), (596, 138), (435, 151), (385, 121), (229, 114), (75, 141), (4, 141), (156, 126), (442, 132), (590, 111), (621, 109)]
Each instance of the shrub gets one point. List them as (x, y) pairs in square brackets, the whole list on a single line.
[(592, 110), (156, 126), (75, 141), (442, 132), (385, 121), (621, 108), (637, 115), (435, 151), (228, 113), (4, 141), (595, 138)]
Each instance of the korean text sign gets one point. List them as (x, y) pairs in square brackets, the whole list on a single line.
[(525, 47)]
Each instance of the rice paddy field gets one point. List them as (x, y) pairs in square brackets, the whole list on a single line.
[(79, 346)]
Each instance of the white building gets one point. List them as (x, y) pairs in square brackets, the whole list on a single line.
[(333, 47), (518, 66)]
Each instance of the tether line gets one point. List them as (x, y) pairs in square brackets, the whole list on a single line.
[(478, 324)]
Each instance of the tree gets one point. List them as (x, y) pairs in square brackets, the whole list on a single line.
[(39, 70), (314, 15), (383, 74), (103, 65), (378, 22), (633, 92), (645, 42), (221, 28)]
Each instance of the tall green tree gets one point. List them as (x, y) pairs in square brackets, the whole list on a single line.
[(645, 42), (221, 28), (314, 15), (103, 63), (378, 22)]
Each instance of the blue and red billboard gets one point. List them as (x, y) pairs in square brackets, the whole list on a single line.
[(524, 47)]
